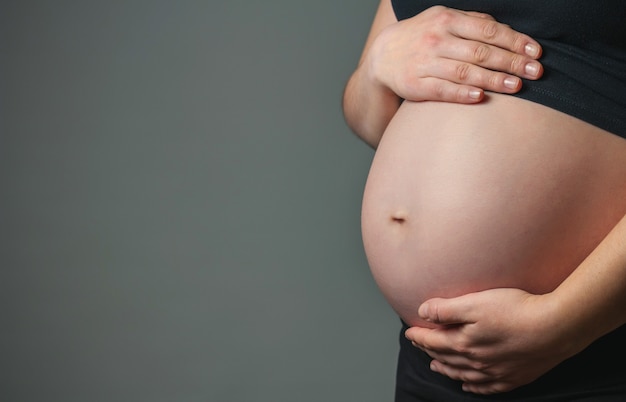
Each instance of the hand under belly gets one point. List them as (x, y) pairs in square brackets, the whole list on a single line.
[(462, 198)]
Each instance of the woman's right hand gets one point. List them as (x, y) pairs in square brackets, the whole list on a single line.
[(443, 54)]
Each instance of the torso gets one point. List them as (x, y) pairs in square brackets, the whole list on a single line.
[(507, 193)]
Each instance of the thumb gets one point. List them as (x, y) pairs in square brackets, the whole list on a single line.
[(447, 311)]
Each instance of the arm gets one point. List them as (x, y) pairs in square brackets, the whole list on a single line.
[(505, 338), (369, 106), (593, 297), (441, 54)]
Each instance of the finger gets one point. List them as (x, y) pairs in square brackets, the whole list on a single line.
[(473, 377), (455, 360), (443, 90), (489, 31), (475, 76), (477, 14), (433, 339), (493, 58), (487, 388), (458, 310)]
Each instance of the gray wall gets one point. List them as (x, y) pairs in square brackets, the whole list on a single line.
[(179, 205)]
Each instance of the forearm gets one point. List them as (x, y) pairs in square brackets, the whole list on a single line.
[(592, 300), (368, 107)]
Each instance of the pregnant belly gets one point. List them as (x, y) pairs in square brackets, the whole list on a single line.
[(462, 198)]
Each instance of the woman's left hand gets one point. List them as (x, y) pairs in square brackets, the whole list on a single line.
[(495, 340)]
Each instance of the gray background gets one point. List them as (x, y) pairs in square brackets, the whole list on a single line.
[(179, 206)]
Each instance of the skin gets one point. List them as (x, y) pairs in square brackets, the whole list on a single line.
[(493, 346), (486, 339)]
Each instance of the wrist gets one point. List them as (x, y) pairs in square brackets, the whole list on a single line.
[(378, 64), (373, 73), (567, 322)]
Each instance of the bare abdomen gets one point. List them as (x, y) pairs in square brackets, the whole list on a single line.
[(508, 193)]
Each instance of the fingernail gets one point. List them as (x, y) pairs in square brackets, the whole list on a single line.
[(532, 69), (474, 94), (532, 50), (422, 311), (511, 82)]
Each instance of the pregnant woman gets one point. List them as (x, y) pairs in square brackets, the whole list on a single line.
[(493, 215)]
